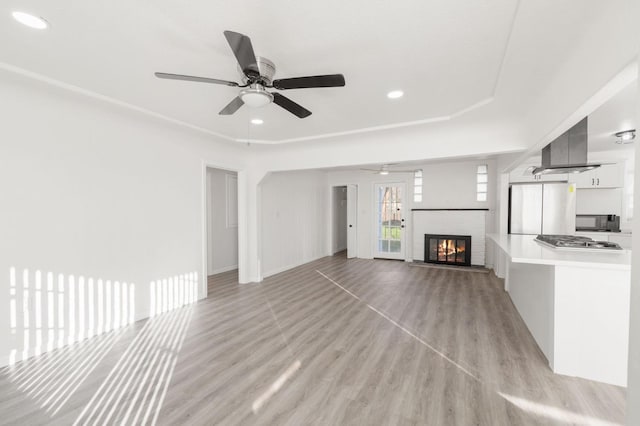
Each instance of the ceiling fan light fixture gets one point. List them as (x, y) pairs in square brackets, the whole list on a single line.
[(256, 97), (30, 20), (626, 136), (395, 94)]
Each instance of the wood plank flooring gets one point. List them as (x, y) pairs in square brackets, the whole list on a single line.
[(333, 342)]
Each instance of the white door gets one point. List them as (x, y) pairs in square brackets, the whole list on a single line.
[(389, 221), (352, 219)]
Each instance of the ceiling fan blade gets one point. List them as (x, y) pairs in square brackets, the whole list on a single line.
[(290, 106), (197, 79), (243, 51), (332, 80), (232, 107)]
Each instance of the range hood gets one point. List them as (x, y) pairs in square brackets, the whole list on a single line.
[(568, 153)]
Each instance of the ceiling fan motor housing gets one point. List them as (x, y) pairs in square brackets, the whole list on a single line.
[(267, 71)]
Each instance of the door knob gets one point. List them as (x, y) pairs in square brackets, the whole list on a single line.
[(350, 226)]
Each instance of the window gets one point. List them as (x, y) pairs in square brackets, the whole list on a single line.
[(482, 182), (417, 186)]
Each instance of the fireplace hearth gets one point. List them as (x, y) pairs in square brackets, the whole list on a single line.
[(447, 249)]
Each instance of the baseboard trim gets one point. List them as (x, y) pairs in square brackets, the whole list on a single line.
[(221, 270), (291, 266)]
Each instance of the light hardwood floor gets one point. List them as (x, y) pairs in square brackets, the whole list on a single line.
[(333, 342)]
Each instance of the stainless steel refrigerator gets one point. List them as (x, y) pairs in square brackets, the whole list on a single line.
[(542, 208)]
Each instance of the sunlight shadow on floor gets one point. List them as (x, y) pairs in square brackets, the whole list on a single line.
[(555, 414), (136, 386)]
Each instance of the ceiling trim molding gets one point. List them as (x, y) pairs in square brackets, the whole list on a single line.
[(506, 48), (109, 100), (377, 128), (131, 107)]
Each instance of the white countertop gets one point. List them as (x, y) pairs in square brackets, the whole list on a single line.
[(523, 249), (625, 232)]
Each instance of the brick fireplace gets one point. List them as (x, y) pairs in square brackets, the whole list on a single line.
[(450, 222)]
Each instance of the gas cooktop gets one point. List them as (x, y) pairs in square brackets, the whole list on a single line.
[(575, 242)]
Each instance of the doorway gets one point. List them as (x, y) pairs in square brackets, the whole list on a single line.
[(222, 224), (344, 201), (389, 242), (339, 202)]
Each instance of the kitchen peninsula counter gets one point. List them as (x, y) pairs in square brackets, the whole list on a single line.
[(575, 304), (524, 249)]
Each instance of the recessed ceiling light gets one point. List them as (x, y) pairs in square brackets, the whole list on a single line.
[(395, 94), (626, 136), (30, 20), (257, 121)]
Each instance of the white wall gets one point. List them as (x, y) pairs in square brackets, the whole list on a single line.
[(446, 185), (633, 387), (500, 217), (94, 192), (626, 221), (365, 181), (294, 217), (339, 219), (222, 221), (451, 185)]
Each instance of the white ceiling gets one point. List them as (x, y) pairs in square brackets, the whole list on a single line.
[(617, 114), (447, 55)]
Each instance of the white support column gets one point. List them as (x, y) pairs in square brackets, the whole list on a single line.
[(502, 208), (249, 269), (633, 383)]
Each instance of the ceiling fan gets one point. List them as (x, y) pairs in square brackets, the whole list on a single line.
[(257, 76), (384, 170)]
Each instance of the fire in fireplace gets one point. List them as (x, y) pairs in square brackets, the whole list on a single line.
[(447, 249)]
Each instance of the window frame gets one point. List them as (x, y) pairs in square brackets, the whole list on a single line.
[(482, 183)]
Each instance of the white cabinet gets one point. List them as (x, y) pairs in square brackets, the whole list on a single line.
[(606, 176), (623, 239), (522, 174)]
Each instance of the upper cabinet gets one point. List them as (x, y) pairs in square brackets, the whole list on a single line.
[(606, 176), (522, 174)]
